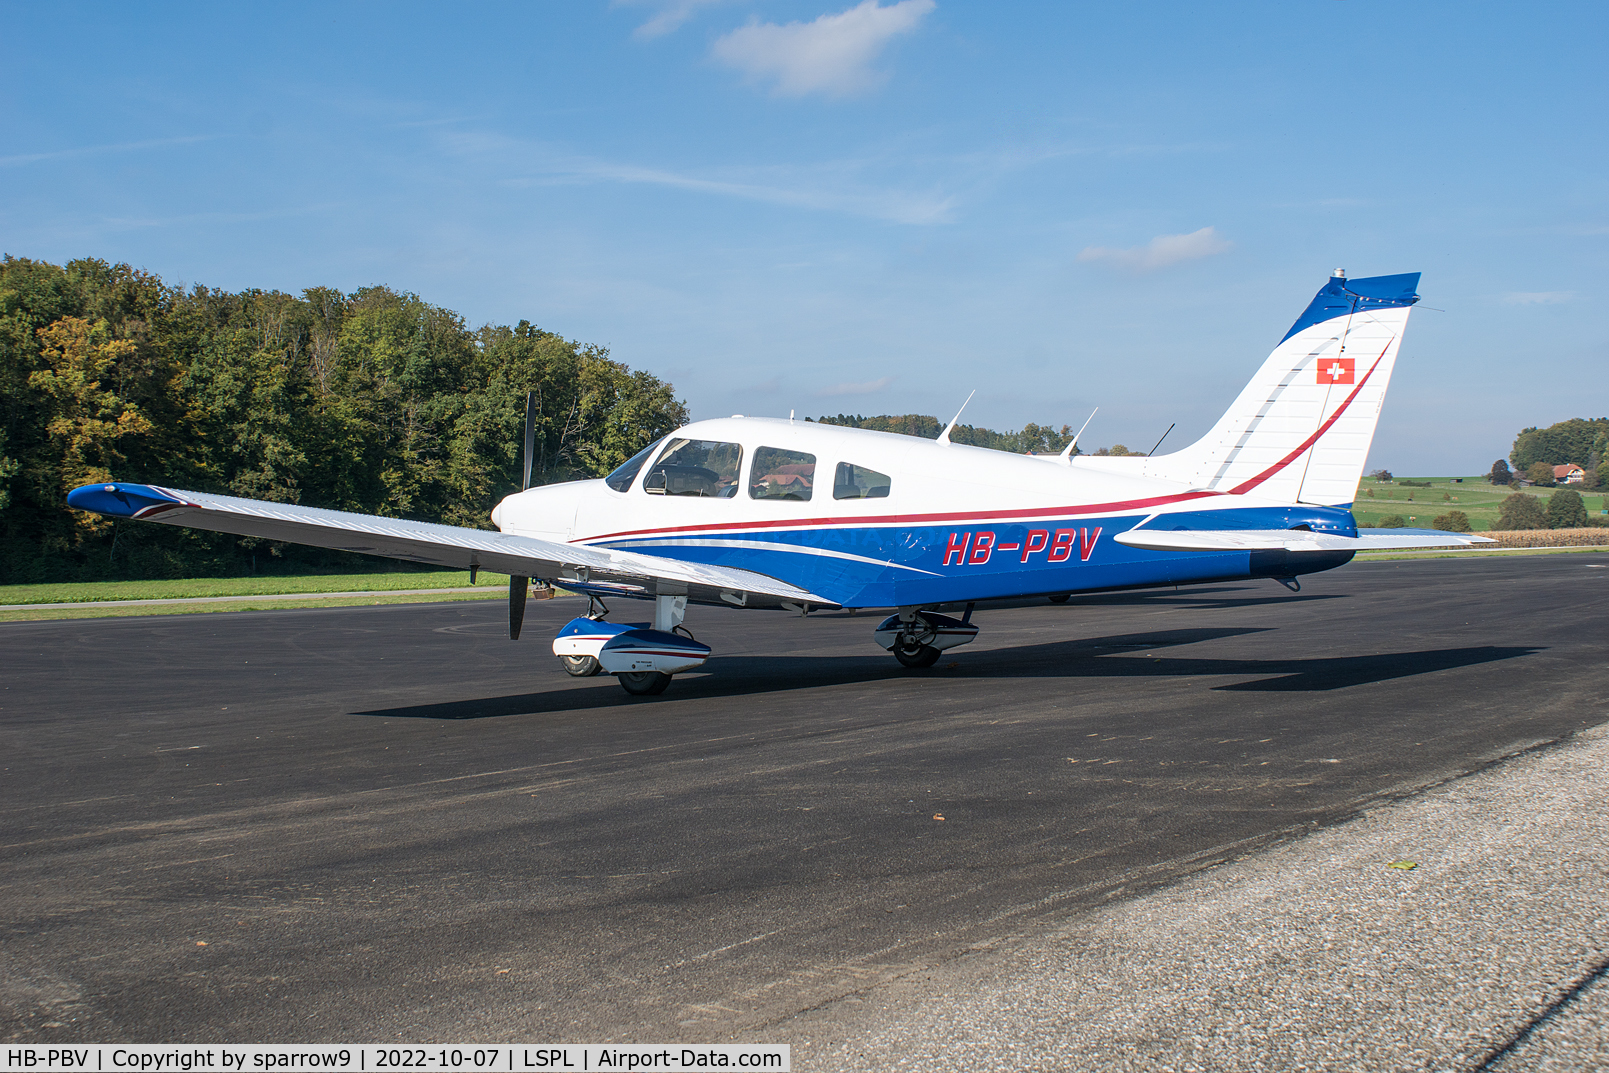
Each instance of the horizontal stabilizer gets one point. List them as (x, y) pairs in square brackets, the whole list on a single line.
[(453, 547), (1293, 540)]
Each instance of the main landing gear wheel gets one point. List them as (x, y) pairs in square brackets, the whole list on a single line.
[(581, 666), (646, 683), (1060, 597), (915, 655)]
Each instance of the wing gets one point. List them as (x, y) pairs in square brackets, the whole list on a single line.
[(1292, 540), (625, 572)]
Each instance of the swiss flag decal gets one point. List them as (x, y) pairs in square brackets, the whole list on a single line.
[(1335, 370)]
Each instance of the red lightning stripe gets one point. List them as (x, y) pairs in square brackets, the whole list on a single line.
[(895, 519), (1245, 486)]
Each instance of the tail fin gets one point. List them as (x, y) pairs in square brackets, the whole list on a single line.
[(1300, 431)]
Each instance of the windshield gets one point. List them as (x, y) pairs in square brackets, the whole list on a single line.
[(621, 479)]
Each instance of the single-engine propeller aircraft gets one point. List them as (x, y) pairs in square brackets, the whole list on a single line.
[(727, 512)]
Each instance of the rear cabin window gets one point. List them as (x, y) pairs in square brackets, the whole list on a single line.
[(779, 474), (621, 479), (696, 468), (858, 482)]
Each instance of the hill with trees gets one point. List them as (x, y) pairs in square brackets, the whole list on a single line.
[(1578, 441)]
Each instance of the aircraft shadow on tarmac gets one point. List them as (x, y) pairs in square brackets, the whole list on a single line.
[(1118, 656)]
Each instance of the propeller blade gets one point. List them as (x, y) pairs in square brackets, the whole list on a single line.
[(530, 438), (517, 587)]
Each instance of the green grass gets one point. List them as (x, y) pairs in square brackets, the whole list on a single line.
[(244, 586), (1474, 497), (49, 613), (1474, 552)]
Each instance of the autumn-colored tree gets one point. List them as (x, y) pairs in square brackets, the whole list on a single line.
[(89, 421)]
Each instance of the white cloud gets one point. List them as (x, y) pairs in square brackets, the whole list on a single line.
[(1537, 298), (867, 388), (1160, 252), (92, 150), (671, 15), (832, 55), (826, 188)]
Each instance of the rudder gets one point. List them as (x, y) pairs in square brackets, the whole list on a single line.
[(1300, 430)]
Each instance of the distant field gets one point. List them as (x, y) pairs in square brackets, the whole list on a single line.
[(242, 586), (1420, 506)]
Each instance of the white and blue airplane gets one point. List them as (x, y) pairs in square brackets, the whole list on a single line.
[(781, 514)]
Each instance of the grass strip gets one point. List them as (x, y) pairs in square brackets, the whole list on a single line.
[(95, 591), (132, 610), (1468, 553)]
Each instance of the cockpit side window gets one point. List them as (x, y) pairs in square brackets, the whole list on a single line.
[(620, 480), (858, 482), (779, 474), (706, 468)]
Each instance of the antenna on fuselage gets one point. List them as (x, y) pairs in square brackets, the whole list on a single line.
[(1152, 451), (1067, 452), (944, 437)]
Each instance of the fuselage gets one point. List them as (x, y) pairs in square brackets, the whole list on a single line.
[(874, 519)]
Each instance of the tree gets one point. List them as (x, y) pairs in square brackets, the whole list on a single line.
[(1566, 510), (1392, 521), (1521, 511), (89, 421), (1540, 474), (8, 469), (1500, 474), (1381, 476), (1454, 521)]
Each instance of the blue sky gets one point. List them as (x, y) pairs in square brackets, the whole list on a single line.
[(870, 207)]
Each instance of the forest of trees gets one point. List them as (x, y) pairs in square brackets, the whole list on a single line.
[(373, 401), (1578, 441)]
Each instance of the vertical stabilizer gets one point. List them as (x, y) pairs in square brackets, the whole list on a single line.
[(1300, 431)]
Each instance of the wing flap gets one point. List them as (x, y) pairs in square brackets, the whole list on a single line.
[(447, 546), (1293, 540)]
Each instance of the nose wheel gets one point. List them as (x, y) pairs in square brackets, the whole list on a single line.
[(581, 666), (644, 683)]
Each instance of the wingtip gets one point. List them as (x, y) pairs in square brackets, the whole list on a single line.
[(117, 499)]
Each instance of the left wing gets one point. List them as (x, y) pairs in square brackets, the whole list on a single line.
[(629, 573), (1292, 539)]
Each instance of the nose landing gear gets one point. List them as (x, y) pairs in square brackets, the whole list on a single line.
[(642, 656)]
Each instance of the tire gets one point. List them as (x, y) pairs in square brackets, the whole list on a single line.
[(644, 683), (1060, 597), (581, 666), (916, 655)]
